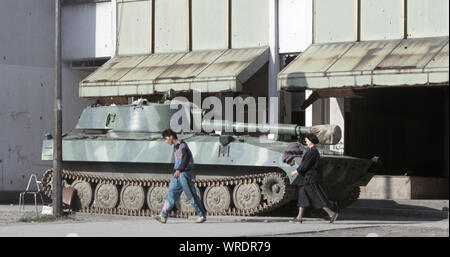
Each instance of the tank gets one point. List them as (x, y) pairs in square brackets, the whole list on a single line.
[(118, 162)]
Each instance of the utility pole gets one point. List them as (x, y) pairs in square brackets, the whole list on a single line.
[(57, 123), (274, 63)]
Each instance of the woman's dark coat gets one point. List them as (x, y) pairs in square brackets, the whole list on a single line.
[(311, 191), (309, 168)]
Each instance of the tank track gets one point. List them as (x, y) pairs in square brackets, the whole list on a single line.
[(202, 184)]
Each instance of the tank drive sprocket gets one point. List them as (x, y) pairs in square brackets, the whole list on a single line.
[(273, 188)]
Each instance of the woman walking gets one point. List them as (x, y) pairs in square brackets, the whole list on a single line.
[(311, 192)]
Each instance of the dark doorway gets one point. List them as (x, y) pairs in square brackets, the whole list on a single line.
[(406, 127)]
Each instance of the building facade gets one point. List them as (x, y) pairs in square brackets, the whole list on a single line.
[(379, 69), (198, 37)]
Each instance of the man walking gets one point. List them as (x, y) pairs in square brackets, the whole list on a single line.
[(181, 180)]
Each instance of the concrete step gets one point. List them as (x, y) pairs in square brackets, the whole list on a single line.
[(405, 187)]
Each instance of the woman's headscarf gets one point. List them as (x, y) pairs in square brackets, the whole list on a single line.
[(313, 138)]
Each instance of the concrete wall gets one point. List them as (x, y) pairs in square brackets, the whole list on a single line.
[(209, 17), (88, 30), (171, 26), (26, 100), (249, 23), (295, 25), (427, 18), (350, 20), (133, 27), (334, 21), (214, 24), (164, 26), (381, 19), (405, 188)]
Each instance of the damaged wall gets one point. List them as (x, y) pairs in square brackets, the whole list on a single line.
[(26, 100)]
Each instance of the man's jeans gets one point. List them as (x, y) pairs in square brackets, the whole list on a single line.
[(176, 187)]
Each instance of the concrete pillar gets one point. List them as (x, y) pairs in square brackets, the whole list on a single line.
[(337, 113), (274, 59), (446, 106), (286, 106), (327, 111), (321, 111), (114, 27), (318, 112), (308, 111)]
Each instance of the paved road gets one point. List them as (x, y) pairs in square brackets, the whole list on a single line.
[(186, 227), (86, 225), (224, 226)]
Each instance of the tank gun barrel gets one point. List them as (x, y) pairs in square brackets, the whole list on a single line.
[(327, 134)]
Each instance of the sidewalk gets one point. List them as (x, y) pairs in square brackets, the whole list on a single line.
[(214, 227), (376, 214)]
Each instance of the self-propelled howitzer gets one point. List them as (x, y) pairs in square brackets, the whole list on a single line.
[(118, 163)]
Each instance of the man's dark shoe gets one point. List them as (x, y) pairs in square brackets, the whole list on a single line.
[(295, 220), (334, 217), (161, 219), (200, 219)]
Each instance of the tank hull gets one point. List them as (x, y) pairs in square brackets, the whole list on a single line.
[(223, 173), (118, 162)]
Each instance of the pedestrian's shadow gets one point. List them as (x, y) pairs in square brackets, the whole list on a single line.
[(261, 220), (374, 209)]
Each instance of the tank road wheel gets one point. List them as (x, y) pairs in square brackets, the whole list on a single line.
[(217, 199), (184, 205), (106, 196), (155, 197), (132, 197), (84, 193), (273, 188), (246, 196)]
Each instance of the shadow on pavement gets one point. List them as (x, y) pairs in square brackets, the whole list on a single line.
[(371, 209)]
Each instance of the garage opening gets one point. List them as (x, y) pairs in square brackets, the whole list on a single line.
[(407, 127)]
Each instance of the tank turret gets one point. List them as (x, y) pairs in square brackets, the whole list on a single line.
[(154, 118)]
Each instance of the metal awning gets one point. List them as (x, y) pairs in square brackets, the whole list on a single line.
[(355, 65), (204, 71)]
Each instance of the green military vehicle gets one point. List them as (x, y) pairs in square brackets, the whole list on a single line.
[(118, 163)]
